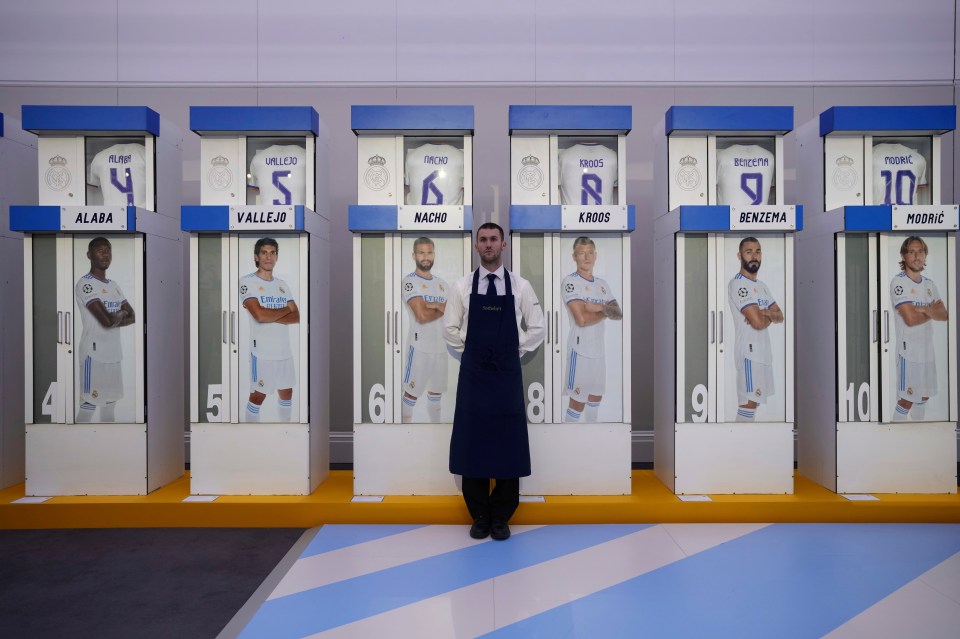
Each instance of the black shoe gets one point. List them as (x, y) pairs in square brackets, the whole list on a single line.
[(500, 530), (481, 529)]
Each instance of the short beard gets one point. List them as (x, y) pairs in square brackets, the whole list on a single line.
[(425, 269), (748, 268)]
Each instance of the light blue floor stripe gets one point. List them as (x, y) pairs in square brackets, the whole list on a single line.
[(785, 581), (336, 536), (320, 609)]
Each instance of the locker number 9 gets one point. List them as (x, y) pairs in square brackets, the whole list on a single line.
[(698, 400)]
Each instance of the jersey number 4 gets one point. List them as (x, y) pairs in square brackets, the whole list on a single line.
[(125, 187)]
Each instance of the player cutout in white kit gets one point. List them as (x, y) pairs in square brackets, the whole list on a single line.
[(918, 304), (898, 171), (590, 302), (270, 302), (119, 171), (103, 310), (588, 174), (425, 358), (744, 175), (754, 310), (279, 172), (434, 175)]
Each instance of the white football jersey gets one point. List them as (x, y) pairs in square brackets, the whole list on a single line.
[(751, 343), (280, 172), (99, 342), (426, 338), (268, 340), (586, 340), (434, 173), (588, 173), (744, 175), (914, 343), (120, 172), (897, 172)]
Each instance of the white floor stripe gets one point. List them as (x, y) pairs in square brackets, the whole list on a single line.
[(694, 538), (515, 596), (377, 554), (922, 609)]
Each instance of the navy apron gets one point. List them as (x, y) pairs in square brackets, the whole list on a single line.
[(490, 423)]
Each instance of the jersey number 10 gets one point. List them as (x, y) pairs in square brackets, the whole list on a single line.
[(905, 186)]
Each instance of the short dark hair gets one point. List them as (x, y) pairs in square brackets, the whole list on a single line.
[(264, 241), (745, 240), (421, 240), (98, 240), (490, 225), (580, 241), (906, 247)]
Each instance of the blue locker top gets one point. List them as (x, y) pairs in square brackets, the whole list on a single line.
[(1, 125), (245, 120), (85, 120), (411, 120), (610, 120), (750, 120), (915, 120)]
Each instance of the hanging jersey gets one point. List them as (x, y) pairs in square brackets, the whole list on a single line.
[(897, 172), (434, 173), (586, 340), (98, 342), (120, 172), (751, 343), (268, 340), (744, 175), (914, 343), (280, 172), (588, 173), (428, 337)]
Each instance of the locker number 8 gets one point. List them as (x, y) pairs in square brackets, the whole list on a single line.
[(535, 403)]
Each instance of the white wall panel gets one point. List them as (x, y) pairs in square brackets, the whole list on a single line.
[(308, 41), (187, 41), (442, 41), (883, 40), (58, 41), (744, 41), (605, 41)]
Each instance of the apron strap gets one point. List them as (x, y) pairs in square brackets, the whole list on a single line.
[(506, 281), (476, 280)]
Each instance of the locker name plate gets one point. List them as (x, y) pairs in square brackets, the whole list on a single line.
[(593, 218), (425, 218), (924, 218), (262, 218), (763, 218), (93, 218)]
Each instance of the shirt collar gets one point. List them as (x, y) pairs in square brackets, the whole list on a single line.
[(484, 272)]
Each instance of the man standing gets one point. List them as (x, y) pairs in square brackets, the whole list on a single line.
[(425, 368), (103, 309), (753, 311), (269, 301), (590, 301), (918, 304), (489, 437)]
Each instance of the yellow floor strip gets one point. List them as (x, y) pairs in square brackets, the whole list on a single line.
[(650, 502)]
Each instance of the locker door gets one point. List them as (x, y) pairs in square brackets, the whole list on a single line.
[(589, 276), (269, 324), (212, 396), (373, 337), (752, 299), (915, 353), (532, 259), (858, 324), (697, 327)]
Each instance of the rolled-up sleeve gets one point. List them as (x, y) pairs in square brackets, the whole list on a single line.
[(455, 316), (532, 315)]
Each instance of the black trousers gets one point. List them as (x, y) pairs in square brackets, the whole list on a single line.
[(498, 505)]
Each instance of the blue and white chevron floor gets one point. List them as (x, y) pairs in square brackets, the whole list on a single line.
[(607, 581)]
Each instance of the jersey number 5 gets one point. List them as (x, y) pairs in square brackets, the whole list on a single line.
[(284, 191)]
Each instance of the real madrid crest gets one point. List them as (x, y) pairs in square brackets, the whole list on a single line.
[(530, 177), (688, 175), (58, 175), (844, 176), (376, 176), (219, 177)]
